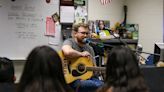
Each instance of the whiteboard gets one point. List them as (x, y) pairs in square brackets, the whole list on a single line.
[(23, 26)]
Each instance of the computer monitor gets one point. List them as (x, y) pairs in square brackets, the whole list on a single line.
[(158, 49)]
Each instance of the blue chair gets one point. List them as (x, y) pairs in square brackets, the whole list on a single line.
[(150, 60)]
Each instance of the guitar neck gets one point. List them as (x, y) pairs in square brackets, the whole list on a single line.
[(95, 68)]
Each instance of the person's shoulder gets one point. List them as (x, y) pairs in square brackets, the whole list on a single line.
[(7, 87), (69, 39), (110, 89), (105, 89)]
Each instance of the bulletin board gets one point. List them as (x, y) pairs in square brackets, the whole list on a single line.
[(23, 26)]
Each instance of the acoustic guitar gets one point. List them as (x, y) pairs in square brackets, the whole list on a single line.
[(78, 68)]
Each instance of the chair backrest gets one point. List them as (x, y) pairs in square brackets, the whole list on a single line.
[(154, 77)]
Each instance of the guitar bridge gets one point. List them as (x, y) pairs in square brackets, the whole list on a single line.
[(76, 73)]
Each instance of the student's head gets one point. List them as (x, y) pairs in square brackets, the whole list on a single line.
[(81, 31), (6, 70), (123, 70), (122, 63), (42, 71)]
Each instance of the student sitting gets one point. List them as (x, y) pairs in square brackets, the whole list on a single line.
[(7, 77), (123, 73), (43, 72)]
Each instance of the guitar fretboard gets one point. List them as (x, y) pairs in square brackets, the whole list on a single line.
[(95, 68)]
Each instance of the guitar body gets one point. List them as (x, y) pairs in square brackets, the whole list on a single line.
[(75, 68)]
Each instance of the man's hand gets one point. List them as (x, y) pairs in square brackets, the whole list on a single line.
[(85, 54)]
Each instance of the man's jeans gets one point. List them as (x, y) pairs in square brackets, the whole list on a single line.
[(89, 85)]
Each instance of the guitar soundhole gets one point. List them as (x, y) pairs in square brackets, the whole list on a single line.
[(81, 67)]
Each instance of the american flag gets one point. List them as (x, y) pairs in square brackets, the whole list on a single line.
[(104, 2)]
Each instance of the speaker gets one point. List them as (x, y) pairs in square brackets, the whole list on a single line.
[(154, 77)]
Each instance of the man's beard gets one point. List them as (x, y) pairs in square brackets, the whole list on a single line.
[(80, 41)]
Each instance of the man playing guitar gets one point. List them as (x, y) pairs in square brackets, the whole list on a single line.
[(75, 48)]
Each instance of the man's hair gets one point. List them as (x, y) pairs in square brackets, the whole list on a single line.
[(76, 26), (6, 70)]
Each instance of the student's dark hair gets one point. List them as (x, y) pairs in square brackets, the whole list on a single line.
[(101, 21), (123, 72), (76, 26), (43, 72), (6, 70)]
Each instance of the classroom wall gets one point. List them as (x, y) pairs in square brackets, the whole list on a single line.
[(149, 15), (113, 11), (24, 25)]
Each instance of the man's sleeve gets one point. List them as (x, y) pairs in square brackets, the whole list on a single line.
[(67, 42)]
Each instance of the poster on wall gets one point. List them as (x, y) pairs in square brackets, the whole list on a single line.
[(80, 11), (92, 26), (97, 25), (132, 31), (79, 2), (100, 28), (80, 14), (67, 14)]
